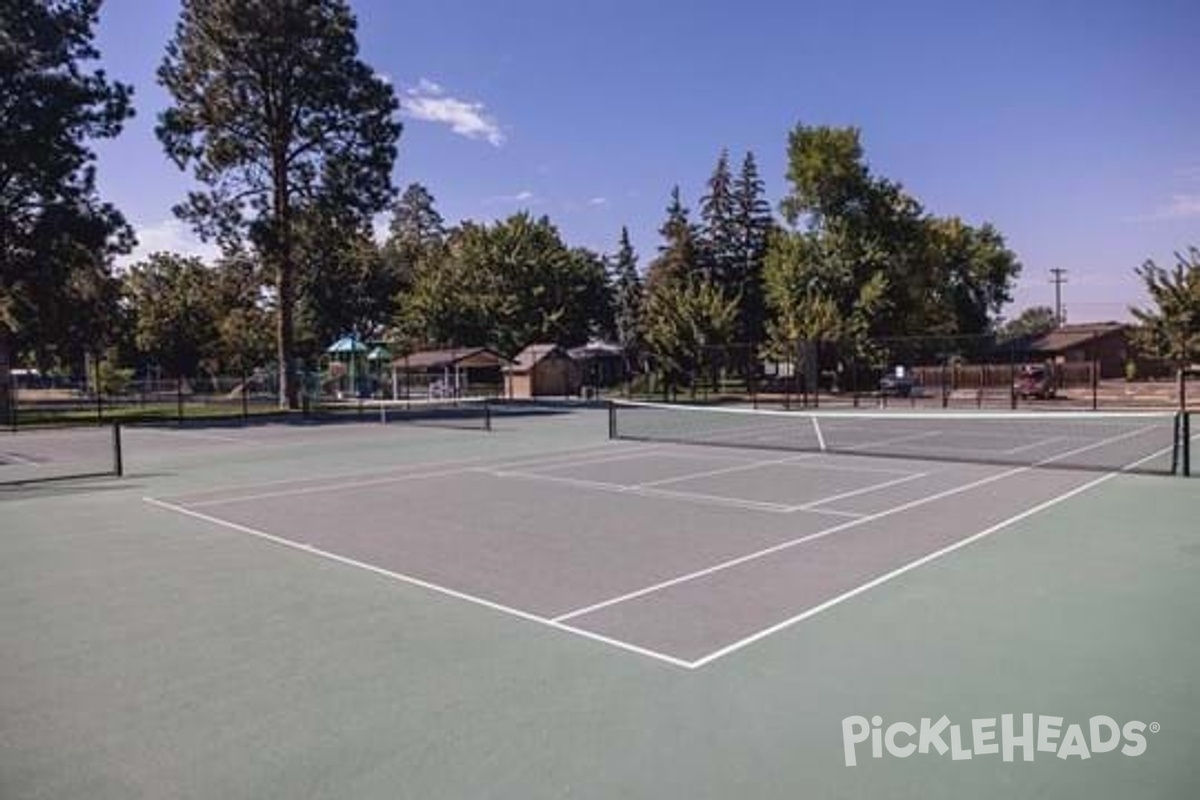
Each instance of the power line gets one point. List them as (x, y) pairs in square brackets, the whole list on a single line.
[(1060, 277)]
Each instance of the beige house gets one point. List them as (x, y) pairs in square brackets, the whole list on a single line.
[(543, 370)]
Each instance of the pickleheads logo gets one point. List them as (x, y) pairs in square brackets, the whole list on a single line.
[(1046, 735)]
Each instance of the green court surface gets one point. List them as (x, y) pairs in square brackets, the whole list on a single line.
[(360, 610)]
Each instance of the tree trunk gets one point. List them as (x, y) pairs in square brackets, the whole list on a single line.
[(285, 274)]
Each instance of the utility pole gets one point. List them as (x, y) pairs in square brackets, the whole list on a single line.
[(1060, 277)]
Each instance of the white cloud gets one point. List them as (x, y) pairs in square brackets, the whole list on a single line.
[(598, 201), (428, 102), (168, 235), (523, 196), (1181, 206)]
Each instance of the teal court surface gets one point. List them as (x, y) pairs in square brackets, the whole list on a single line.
[(642, 602)]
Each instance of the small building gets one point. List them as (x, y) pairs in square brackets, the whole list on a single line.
[(449, 372), (603, 363), (544, 370), (1105, 343)]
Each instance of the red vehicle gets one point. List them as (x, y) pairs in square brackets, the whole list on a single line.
[(1035, 382)]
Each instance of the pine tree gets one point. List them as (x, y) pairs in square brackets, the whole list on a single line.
[(718, 210), (751, 232), (57, 237), (277, 117), (416, 224), (628, 298), (678, 255)]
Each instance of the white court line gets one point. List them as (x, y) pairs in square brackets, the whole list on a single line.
[(820, 438), (841, 598), (620, 488), (813, 505), (423, 584), (1039, 443), (778, 548), (464, 467), (403, 469), (727, 470), (25, 462)]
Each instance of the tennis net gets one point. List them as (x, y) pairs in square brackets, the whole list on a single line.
[(465, 413), (34, 455), (1150, 442)]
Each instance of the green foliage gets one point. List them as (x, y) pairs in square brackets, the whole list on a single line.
[(1033, 321), (416, 233), (57, 295), (276, 116), (941, 276), (173, 301), (508, 285), (346, 284), (113, 379), (1170, 328), (188, 316), (628, 298), (680, 254), (719, 237), (686, 321), (812, 294), (752, 229)]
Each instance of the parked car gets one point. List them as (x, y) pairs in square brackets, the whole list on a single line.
[(1036, 382), (896, 386)]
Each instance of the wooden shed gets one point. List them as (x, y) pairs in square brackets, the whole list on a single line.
[(544, 370)]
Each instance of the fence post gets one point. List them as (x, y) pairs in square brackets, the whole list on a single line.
[(118, 460), (1012, 376), (99, 393)]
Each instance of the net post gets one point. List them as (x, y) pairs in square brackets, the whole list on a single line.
[(179, 398), (487, 414), (1095, 385), (612, 420), (118, 459)]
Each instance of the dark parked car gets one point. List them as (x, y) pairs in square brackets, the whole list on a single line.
[(896, 386), (1036, 382)]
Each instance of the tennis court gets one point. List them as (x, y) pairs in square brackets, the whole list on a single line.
[(466, 609)]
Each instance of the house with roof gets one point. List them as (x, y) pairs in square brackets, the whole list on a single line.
[(543, 370), (449, 372), (1104, 343)]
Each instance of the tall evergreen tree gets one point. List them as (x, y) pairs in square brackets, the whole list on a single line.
[(416, 233), (57, 293), (679, 254), (276, 114), (752, 229), (628, 298), (416, 223), (718, 212)]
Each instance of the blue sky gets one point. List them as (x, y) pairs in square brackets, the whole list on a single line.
[(1073, 127)]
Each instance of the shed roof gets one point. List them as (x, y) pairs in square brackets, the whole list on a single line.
[(1068, 337), (451, 357), (534, 353)]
